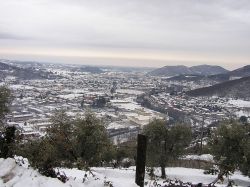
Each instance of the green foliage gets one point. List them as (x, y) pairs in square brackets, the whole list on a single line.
[(42, 155), (7, 134), (245, 164), (77, 143), (165, 142), (60, 137), (7, 142), (100, 102), (243, 119), (230, 145), (91, 139), (5, 99), (126, 150)]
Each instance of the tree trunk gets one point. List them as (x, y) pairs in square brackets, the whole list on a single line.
[(163, 159), (219, 177), (163, 172)]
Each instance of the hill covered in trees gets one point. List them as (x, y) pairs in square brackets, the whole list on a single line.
[(184, 70), (238, 88), (23, 73), (216, 77)]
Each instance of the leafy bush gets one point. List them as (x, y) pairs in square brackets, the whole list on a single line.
[(230, 145), (77, 143), (165, 142)]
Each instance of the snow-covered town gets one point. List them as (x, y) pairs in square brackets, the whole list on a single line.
[(113, 96), (110, 95)]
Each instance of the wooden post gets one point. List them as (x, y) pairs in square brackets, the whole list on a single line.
[(141, 159)]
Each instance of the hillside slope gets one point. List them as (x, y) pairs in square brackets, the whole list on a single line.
[(237, 73), (170, 71), (238, 88), (12, 174), (207, 70), (219, 78), (22, 73)]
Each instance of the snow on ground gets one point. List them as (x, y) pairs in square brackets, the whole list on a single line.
[(205, 157), (243, 113), (13, 175), (125, 104), (239, 103), (76, 91), (70, 96), (20, 86), (115, 125), (129, 91)]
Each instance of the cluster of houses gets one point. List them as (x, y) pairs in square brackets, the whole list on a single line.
[(113, 97)]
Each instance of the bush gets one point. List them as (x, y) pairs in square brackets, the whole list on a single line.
[(165, 142), (7, 142), (5, 99), (230, 145), (77, 143)]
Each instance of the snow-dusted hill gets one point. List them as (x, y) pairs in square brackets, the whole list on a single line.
[(14, 175)]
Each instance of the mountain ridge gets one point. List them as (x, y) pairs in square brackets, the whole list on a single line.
[(22, 73), (184, 70)]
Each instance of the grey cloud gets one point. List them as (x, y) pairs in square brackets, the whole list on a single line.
[(8, 36), (211, 26)]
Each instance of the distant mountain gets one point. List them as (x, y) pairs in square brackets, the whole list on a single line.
[(241, 72), (23, 73), (238, 88), (183, 70), (222, 77), (207, 70), (170, 71), (235, 74)]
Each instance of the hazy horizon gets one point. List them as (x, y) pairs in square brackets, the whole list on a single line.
[(127, 33)]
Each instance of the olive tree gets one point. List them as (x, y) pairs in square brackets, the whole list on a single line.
[(80, 143), (230, 144), (5, 98), (165, 142), (7, 134)]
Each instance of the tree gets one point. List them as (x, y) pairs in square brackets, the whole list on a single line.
[(60, 137), (230, 146), (165, 142), (80, 143), (92, 142), (243, 119), (100, 102), (55, 149), (41, 154), (7, 142), (245, 165), (7, 134), (5, 99)]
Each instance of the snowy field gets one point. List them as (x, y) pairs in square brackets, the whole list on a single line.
[(13, 175), (239, 103)]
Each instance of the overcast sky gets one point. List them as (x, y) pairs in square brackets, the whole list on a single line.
[(127, 32)]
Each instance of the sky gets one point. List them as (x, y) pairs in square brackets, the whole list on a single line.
[(149, 33)]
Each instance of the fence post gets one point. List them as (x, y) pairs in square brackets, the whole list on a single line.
[(141, 159)]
